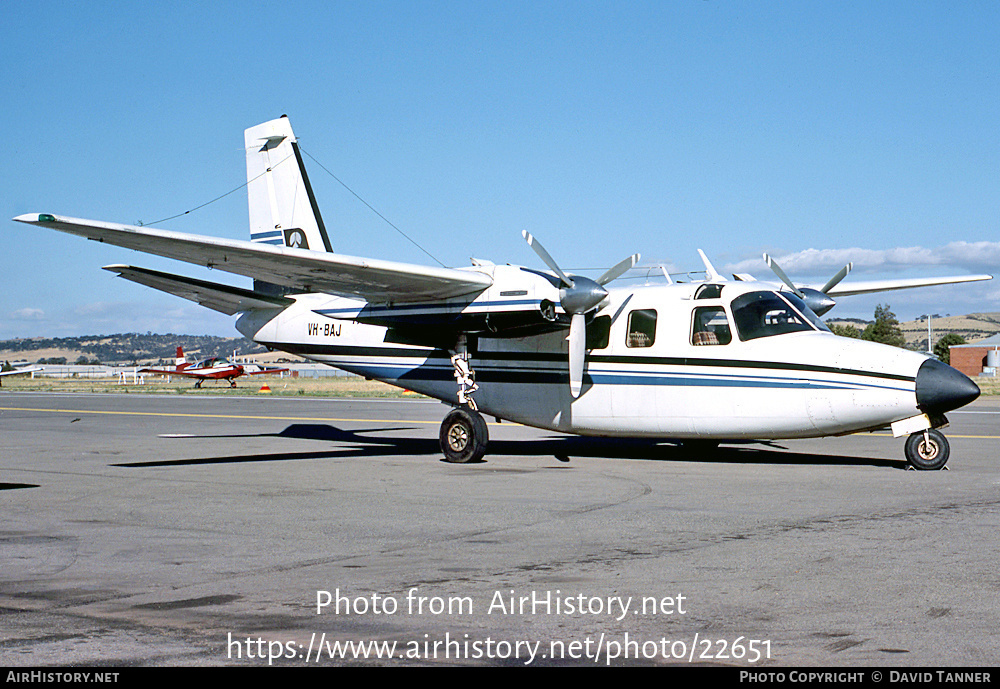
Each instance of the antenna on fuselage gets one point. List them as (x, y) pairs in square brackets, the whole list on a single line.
[(713, 274)]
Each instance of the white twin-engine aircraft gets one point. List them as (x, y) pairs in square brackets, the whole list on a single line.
[(698, 362)]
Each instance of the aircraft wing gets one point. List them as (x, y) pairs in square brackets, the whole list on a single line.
[(308, 271), (17, 371), (847, 289), (223, 298), (172, 372)]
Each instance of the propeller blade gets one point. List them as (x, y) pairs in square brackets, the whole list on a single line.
[(548, 260), (577, 352), (618, 269), (773, 265), (835, 280)]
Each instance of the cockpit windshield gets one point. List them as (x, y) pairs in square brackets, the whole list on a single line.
[(763, 314)]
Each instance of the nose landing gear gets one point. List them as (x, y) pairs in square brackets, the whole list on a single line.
[(927, 450)]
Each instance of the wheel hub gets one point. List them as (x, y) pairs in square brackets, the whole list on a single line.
[(458, 437), (928, 450)]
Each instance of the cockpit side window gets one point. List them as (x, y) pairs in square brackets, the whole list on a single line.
[(641, 328), (710, 326), (762, 314)]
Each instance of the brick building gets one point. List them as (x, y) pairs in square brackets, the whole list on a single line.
[(970, 359)]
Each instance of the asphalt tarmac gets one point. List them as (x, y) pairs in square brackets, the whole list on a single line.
[(171, 530)]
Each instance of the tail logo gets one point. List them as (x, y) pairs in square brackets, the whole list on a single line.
[(296, 239)]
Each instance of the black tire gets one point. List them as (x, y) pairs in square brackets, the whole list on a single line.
[(927, 455), (463, 436)]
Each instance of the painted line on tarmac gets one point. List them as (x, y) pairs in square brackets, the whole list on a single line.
[(325, 418), (950, 435), (213, 416)]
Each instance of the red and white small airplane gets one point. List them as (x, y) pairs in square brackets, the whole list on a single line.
[(215, 368)]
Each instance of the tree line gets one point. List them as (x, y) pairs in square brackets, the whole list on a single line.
[(130, 347)]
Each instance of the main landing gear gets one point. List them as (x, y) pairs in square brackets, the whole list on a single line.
[(464, 435), (927, 450), (232, 382)]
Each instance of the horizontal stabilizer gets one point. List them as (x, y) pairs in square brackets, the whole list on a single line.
[(299, 269), (223, 298)]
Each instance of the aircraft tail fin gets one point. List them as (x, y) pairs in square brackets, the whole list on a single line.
[(283, 209), (181, 362)]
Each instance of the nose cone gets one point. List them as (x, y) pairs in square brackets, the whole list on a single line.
[(941, 388)]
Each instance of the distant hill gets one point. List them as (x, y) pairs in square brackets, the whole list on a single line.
[(126, 348), (973, 327)]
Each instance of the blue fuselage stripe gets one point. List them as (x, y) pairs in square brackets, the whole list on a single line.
[(394, 363), (426, 308), (488, 374)]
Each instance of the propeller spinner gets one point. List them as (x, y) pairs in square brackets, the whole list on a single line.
[(579, 295), (815, 299)]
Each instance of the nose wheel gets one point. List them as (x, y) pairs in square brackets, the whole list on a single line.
[(463, 436), (927, 450)]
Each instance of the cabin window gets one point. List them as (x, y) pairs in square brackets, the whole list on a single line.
[(762, 314), (599, 332), (710, 326), (641, 328)]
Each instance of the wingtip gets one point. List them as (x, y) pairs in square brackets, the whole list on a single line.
[(35, 218)]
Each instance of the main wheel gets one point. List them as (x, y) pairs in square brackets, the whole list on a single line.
[(463, 436), (927, 453)]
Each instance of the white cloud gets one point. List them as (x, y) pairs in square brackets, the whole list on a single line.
[(28, 314), (972, 257)]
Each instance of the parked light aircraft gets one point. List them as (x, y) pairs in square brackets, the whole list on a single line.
[(214, 368), (700, 362)]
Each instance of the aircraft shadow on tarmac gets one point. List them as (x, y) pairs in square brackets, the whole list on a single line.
[(358, 444)]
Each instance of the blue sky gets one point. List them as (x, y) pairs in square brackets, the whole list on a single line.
[(812, 130)]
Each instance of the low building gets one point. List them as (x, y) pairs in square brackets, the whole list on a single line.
[(975, 359)]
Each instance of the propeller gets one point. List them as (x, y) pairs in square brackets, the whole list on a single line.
[(817, 300), (579, 295), (835, 280)]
